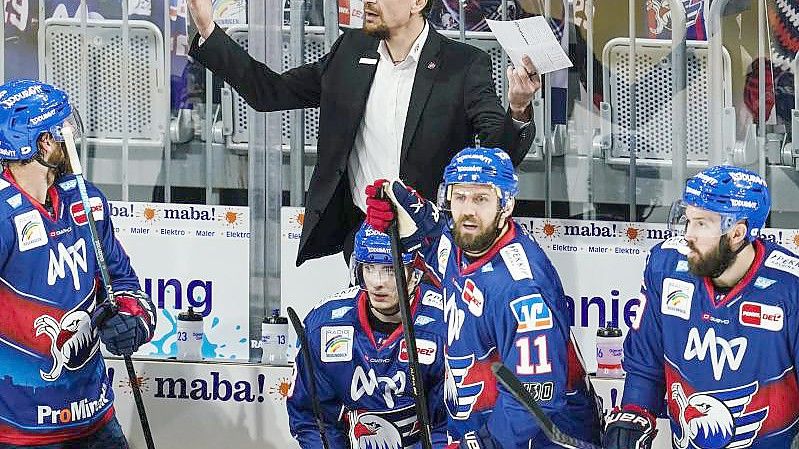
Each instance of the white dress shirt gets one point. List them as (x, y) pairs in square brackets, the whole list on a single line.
[(378, 143)]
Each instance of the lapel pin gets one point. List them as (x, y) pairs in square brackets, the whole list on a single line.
[(431, 65)]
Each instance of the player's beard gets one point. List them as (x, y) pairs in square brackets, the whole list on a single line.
[(479, 242), (715, 262), (379, 30)]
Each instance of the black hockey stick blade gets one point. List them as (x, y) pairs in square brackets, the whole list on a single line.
[(512, 384), (296, 323)]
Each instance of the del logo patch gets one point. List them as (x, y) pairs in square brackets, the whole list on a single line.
[(425, 349), (337, 343), (754, 314), (78, 215)]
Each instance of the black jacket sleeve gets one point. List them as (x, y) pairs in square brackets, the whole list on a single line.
[(261, 87)]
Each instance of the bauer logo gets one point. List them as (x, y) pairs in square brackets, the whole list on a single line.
[(79, 215), (677, 298), (531, 313), (753, 314), (337, 343)]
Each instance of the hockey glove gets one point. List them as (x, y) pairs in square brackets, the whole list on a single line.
[(378, 208), (631, 427), (131, 326)]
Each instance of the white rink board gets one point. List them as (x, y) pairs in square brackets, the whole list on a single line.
[(191, 255), (600, 264), (254, 416)]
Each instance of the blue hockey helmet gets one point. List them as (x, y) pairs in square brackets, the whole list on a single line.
[(734, 193), (373, 248), (490, 166), (28, 109)]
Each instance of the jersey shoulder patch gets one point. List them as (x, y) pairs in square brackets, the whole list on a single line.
[(349, 293), (442, 253), (677, 243), (515, 259), (783, 261)]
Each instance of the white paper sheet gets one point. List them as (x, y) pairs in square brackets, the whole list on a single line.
[(531, 36)]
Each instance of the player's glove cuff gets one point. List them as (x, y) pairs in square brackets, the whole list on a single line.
[(630, 427), (417, 218)]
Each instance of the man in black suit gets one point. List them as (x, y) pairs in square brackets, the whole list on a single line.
[(395, 99)]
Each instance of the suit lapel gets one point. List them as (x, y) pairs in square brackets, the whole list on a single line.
[(363, 73), (426, 72)]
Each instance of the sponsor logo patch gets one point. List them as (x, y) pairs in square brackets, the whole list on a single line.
[(340, 312), (531, 313), (754, 314), (473, 297), (337, 343), (426, 350), (764, 283), (516, 260), (15, 201), (677, 297), (79, 216), (30, 230), (422, 320), (783, 262), (433, 299)]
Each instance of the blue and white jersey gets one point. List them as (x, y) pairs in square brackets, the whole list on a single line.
[(508, 306), (53, 382), (362, 377), (726, 364)]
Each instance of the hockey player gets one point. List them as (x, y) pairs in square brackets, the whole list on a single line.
[(503, 301), (54, 390), (717, 332), (361, 362)]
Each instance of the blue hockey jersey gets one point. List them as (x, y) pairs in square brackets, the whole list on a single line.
[(362, 376), (53, 383), (509, 306), (725, 364)]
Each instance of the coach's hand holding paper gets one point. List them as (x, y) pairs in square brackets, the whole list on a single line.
[(533, 37)]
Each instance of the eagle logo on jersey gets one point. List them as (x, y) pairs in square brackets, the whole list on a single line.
[(383, 429), (73, 341), (716, 419), (460, 397)]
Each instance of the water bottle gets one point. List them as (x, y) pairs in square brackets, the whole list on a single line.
[(609, 352), (190, 336), (274, 339)]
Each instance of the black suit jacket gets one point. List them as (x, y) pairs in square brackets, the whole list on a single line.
[(452, 101)]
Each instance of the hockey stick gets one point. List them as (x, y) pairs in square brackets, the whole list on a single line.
[(311, 381), (420, 395), (77, 170), (512, 384)]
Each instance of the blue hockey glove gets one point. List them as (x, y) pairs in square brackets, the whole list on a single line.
[(631, 427), (131, 326)]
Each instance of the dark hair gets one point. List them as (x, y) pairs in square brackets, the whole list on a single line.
[(426, 10)]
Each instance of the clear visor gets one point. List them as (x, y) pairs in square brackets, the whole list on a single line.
[(73, 122), (379, 278), (451, 195), (691, 221)]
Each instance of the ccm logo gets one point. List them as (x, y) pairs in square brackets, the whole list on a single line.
[(762, 316), (425, 349)]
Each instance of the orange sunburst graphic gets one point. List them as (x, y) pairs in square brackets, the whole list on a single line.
[(231, 218), (280, 391), (142, 382), (795, 240), (634, 234), (150, 214), (297, 220), (547, 230)]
